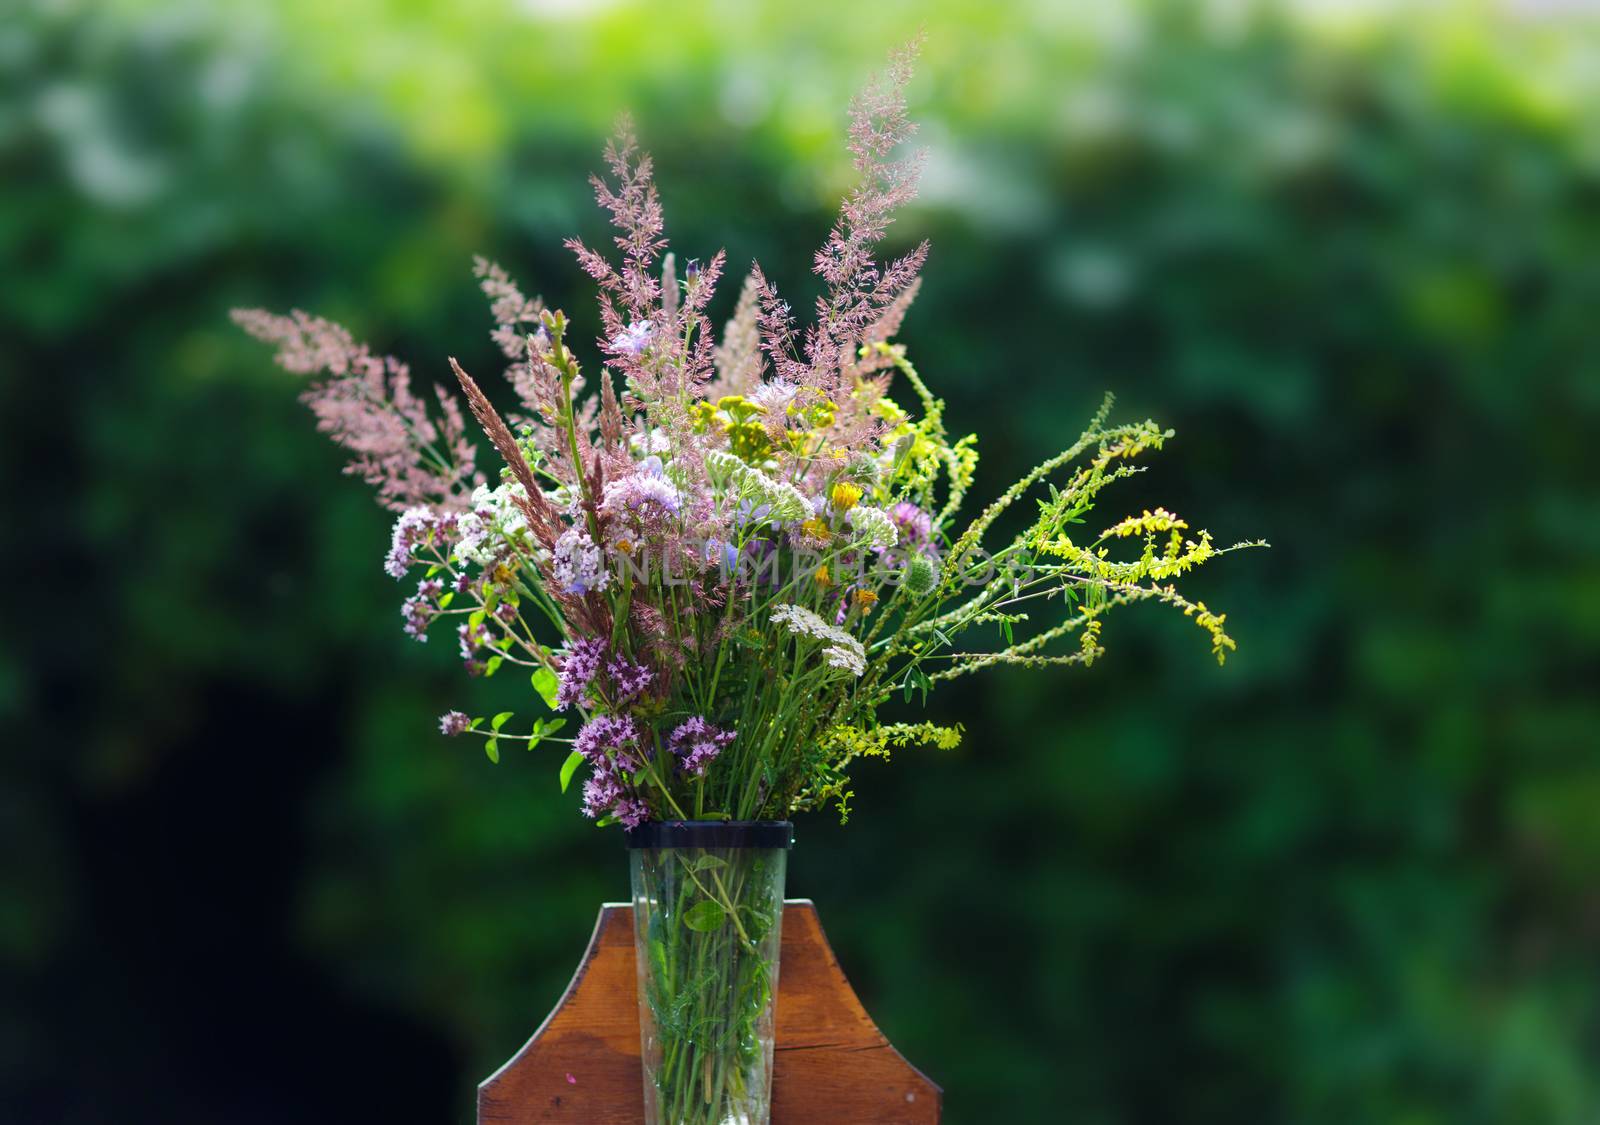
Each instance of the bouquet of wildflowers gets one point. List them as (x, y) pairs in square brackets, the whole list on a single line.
[(719, 557), (725, 556)]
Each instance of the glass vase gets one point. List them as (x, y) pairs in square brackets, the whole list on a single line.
[(707, 911)]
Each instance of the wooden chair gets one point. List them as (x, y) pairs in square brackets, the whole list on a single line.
[(832, 1066)]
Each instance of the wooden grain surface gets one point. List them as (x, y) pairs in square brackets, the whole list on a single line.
[(832, 1066)]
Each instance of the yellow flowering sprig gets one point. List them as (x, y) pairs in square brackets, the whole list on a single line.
[(843, 744), (1221, 643), (1177, 557), (927, 450), (1044, 561)]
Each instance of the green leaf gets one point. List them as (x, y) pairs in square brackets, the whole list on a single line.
[(492, 748), (605, 821), (475, 723), (705, 917), (544, 682), (570, 767), (446, 598), (500, 720), (707, 863), (476, 618), (493, 665)]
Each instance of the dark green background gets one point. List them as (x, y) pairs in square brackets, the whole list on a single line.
[(1352, 257)]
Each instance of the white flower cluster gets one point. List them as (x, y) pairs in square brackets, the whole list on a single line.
[(843, 650), (784, 501), (874, 526), (493, 521)]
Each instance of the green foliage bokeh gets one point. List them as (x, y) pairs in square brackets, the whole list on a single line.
[(1350, 258)]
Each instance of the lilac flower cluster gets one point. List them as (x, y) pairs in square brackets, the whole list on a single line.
[(421, 608), (628, 678), (619, 735), (612, 746), (602, 791), (578, 670), (416, 527), (471, 639), (644, 500), (696, 744), (631, 812), (453, 723)]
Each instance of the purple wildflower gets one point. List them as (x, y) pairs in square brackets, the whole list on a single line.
[(696, 744), (418, 614), (751, 511), (641, 494), (421, 608), (618, 734), (631, 811), (453, 723), (602, 791), (578, 566), (578, 670), (914, 525), (634, 338), (472, 638), (417, 527), (724, 555), (628, 678)]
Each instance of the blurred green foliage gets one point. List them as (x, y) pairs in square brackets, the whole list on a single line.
[(1349, 255)]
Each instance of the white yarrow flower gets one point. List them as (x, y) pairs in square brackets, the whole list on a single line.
[(788, 502), (874, 526), (851, 660), (843, 650), (744, 482)]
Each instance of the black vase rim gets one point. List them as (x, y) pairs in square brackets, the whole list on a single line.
[(712, 834)]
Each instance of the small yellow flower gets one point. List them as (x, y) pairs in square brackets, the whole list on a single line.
[(865, 600), (625, 546), (845, 496), (701, 415), (816, 529), (824, 579)]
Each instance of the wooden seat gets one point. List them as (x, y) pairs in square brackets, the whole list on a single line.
[(832, 1066)]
